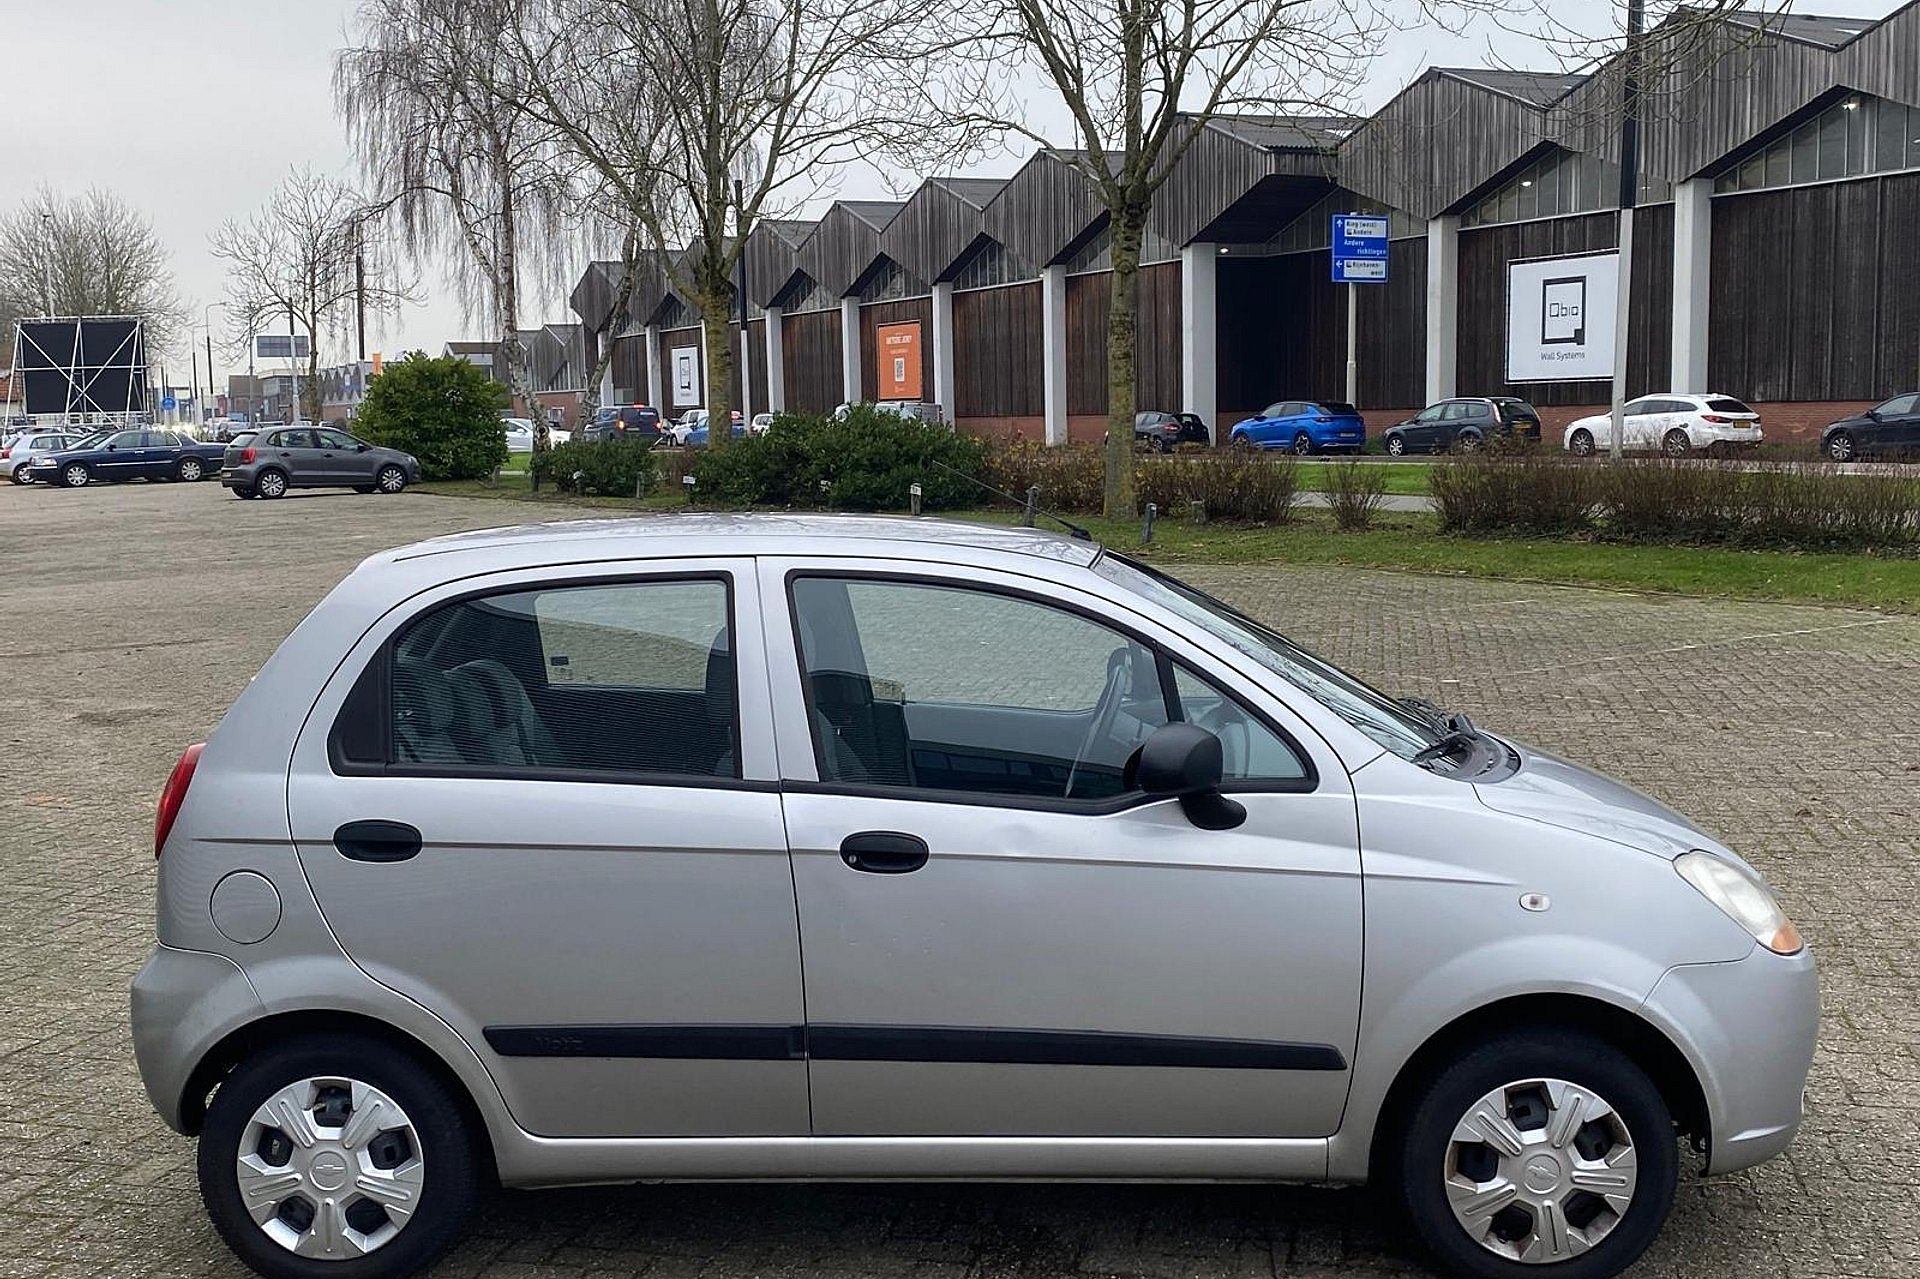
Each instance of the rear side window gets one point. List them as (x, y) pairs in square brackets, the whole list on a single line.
[(1727, 406), (619, 679)]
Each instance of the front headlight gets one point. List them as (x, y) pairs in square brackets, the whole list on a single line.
[(1744, 896)]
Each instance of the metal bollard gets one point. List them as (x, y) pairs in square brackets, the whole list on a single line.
[(1197, 511), (1033, 504), (689, 483), (913, 498), (1146, 527)]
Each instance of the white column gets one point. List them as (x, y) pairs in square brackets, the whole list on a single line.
[(850, 349), (653, 369), (1692, 281), (1053, 352), (606, 378), (745, 373), (943, 349), (776, 362), (1443, 307), (1199, 320)]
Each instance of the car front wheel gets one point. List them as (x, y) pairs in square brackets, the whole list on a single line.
[(1546, 1153), (1840, 447), (390, 479), (332, 1156), (76, 476), (1396, 446), (1580, 443)]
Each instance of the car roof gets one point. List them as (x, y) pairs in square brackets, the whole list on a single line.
[(769, 533)]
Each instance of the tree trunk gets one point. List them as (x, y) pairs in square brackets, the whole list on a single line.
[(1118, 501), (716, 319)]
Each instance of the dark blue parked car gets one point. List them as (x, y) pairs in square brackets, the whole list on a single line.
[(1302, 426), (144, 454)]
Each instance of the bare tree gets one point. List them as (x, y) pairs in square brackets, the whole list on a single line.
[(701, 117), (90, 254), (474, 182), (304, 257)]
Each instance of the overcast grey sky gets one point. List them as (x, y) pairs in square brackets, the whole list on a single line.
[(194, 109)]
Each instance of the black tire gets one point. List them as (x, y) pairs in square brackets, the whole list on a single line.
[(248, 494), (363, 488), (1421, 1162), (449, 1151), (1840, 447), (1396, 446), (389, 479), (1163, 445), (1675, 443), (75, 476), (191, 470), (1580, 443), (1466, 442), (20, 474), (270, 482), (1302, 444), (1244, 443)]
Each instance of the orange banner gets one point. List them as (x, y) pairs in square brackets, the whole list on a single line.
[(897, 346)]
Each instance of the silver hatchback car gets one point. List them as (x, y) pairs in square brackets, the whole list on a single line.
[(823, 847)]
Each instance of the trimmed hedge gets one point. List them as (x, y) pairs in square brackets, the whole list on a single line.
[(866, 461), (1246, 487), (598, 468)]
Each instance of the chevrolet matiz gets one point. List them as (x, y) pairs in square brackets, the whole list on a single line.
[(816, 847)]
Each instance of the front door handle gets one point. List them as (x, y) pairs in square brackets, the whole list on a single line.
[(884, 852), (377, 841)]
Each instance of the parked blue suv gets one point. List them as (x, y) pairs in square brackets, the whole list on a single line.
[(1302, 426)]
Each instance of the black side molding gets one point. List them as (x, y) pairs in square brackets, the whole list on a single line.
[(678, 1043)]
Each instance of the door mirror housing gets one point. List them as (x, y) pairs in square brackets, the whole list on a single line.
[(363, 448), (1185, 762)]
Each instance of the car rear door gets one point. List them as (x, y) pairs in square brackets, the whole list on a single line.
[(1000, 937), (548, 811), (293, 450)]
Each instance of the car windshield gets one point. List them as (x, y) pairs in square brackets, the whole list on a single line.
[(1388, 722)]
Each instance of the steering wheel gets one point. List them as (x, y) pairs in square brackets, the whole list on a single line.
[(1119, 676)]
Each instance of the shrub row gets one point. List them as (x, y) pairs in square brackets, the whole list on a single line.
[(598, 468), (1661, 500), (866, 461), (1229, 486)]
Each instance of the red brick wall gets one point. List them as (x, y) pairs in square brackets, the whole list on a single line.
[(1027, 428)]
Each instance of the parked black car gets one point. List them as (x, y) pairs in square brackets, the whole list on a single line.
[(1160, 430), (268, 463), (1463, 423), (1890, 428), (129, 455), (626, 422)]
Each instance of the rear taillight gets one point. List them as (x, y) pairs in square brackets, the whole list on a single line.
[(1715, 418), (173, 794), (246, 455), (6, 453)]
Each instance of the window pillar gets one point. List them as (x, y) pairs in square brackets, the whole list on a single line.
[(1443, 307), (1053, 345), (1692, 278), (1199, 320)]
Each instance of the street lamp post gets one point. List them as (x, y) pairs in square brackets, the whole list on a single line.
[(206, 322), (46, 264)]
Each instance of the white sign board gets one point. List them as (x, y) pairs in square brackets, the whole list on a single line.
[(686, 376), (1560, 315)]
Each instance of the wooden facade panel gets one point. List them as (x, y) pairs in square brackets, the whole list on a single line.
[(757, 363), (1156, 361), (1043, 209), (1650, 335), (874, 314), (810, 354), (996, 352), (629, 369), (1812, 291)]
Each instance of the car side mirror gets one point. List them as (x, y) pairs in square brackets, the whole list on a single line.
[(112, 447), (1184, 762), (363, 448), (1874, 414)]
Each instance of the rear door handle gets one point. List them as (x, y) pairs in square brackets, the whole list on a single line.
[(377, 841), (884, 852)]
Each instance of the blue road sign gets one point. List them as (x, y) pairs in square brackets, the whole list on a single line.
[(169, 403), (1359, 248)]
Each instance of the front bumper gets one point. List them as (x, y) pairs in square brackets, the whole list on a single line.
[(1748, 1028)]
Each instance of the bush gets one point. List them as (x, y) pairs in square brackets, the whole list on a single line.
[(1251, 488), (446, 412), (866, 461), (1071, 477), (1355, 492), (598, 468), (1531, 492)]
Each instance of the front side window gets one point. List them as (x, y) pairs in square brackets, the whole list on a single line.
[(624, 678), (1433, 413), (1899, 406), (126, 440), (1275, 409), (942, 688)]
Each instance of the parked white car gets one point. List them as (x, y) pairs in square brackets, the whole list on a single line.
[(686, 424), (1673, 424), (520, 434), (761, 424)]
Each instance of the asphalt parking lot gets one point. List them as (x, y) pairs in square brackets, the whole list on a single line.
[(132, 615)]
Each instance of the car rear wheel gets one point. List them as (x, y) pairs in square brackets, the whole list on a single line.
[(76, 476), (1243, 443), (1466, 442), (1396, 446), (1840, 447), (1302, 444), (20, 474), (390, 479), (336, 1157), (1675, 443), (363, 488), (245, 493), (1580, 443), (1163, 445), (191, 469), (270, 483), (1543, 1153)]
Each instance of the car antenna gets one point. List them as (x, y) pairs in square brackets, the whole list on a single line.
[(1073, 530)]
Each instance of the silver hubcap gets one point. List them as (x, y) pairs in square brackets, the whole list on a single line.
[(330, 1168), (391, 480), (272, 485), (76, 475), (1677, 444), (1540, 1170), (189, 470), (1841, 448)]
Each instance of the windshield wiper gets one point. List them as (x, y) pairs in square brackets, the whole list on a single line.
[(1421, 706), (1460, 732)]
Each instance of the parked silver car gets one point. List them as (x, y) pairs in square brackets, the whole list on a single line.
[(520, 853), (268, 462), (17, 451)]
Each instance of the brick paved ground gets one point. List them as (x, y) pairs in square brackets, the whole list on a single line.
[(133, 615)]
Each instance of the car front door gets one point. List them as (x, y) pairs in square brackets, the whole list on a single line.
[(342, 459), (545, 813), (1000, 935), (1424, 432), (122, 456), (1898, 428)]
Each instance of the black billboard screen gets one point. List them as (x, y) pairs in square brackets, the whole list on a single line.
[(86, 365)]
